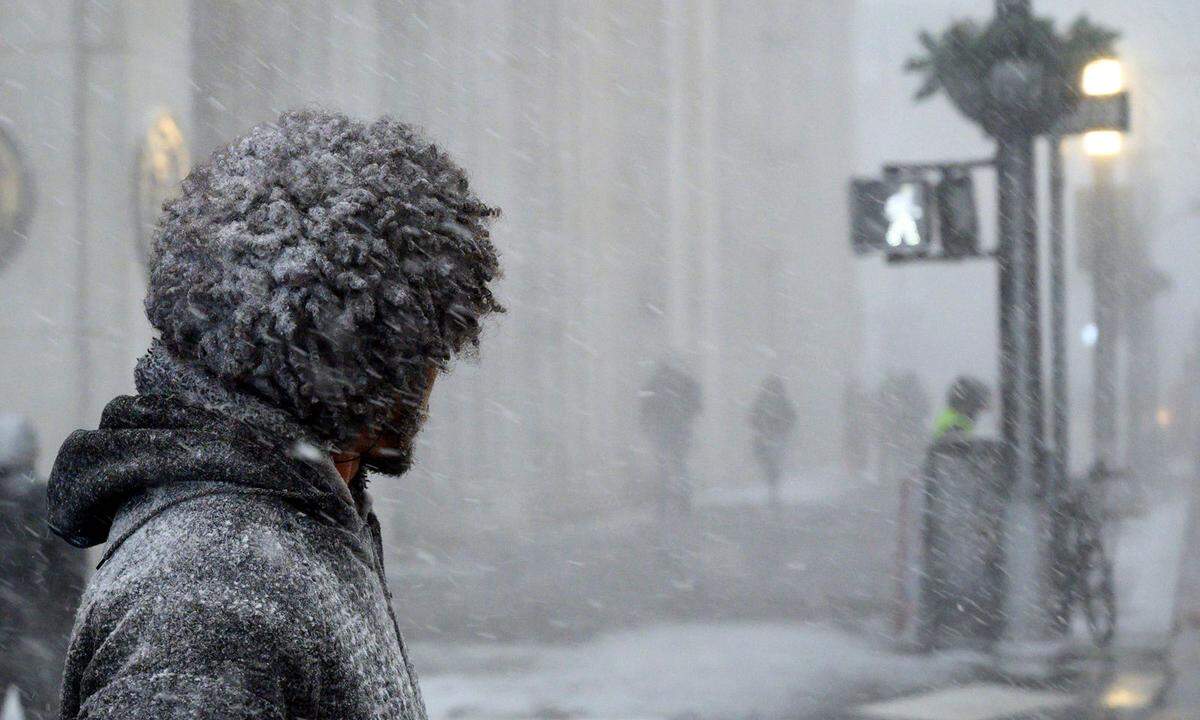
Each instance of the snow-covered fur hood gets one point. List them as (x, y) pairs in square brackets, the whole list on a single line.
[(158, 372), (185, 428), (324, 265)]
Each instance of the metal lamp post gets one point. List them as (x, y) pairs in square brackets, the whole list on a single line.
[(1029, 646), (1103, 78)]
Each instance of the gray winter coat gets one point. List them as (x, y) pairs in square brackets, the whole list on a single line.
[(242, 579)]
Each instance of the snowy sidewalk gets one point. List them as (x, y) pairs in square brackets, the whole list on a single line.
[(824, 486), (732, 670), (1148, 560)]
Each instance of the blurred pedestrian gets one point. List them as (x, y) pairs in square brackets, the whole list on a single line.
[(856, 429), (308, 285), (901, 419), (772, 423), (40, 578), (1181, 414), (966, 400), (671, 402)]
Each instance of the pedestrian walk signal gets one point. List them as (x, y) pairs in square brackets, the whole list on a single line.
[(891, 216), (907, 217)]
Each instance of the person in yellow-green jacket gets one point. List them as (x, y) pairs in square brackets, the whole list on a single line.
[(967, 399)]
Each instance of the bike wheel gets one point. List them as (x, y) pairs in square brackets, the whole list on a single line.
[(1067, 585), (1065, 593), (1099, 600)]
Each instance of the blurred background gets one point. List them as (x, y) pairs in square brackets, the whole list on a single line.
[(672, 484)]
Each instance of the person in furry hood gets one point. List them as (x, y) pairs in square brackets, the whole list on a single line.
[(307, 286)]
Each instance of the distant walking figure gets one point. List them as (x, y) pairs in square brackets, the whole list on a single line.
[(671, 402), (901, 425), (856, 429), (772, 422)]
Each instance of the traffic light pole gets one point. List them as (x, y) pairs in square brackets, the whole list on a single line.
[(1028, 648), (1058, 320), (1013, 103), (1105, 305)]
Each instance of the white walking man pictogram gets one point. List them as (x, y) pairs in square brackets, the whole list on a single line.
[(902, 212)]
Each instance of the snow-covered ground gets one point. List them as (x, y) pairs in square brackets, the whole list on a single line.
[(1148, 560), (731, 670), (819, 486)]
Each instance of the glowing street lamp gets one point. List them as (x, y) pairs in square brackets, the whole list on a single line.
[(1104, 77), (1102, 143), (1102, 83)]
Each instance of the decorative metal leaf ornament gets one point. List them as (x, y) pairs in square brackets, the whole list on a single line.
[(963, 60)]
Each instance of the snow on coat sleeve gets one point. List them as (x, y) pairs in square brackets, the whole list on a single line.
[(175, 657), (196, 625)]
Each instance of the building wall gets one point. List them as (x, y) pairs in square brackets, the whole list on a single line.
[(787, 152), (79, 83), (672, 177)]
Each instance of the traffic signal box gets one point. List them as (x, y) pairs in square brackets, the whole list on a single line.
[(904, 217)]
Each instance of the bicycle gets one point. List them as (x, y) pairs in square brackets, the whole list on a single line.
[(1086, 569)]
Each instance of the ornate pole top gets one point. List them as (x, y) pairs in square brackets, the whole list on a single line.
[(1006, 8)]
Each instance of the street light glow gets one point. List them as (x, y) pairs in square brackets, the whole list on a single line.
[(1103, 77), (1130, 691), (1102, 143), (1123, 698)]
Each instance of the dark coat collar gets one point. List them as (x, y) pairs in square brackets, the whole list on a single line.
[(185, 430)]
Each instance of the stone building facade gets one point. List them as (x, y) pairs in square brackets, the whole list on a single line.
[(672, 176)]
